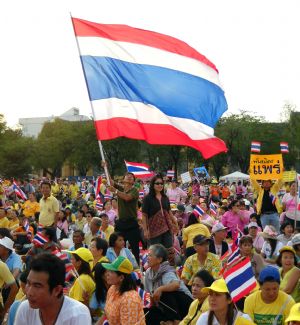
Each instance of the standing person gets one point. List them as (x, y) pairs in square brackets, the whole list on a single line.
[(289, 206), (269, 305), (49, 206), (157, 215), (46, 303), (268, 206), (123, 303), (175, 193), (127, 223)]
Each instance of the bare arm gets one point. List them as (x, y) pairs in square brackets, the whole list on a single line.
[(292, 282)]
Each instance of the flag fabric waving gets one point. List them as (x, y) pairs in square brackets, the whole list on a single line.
[(149, 86), (240, 279), (255, 146), (213, 209), (170, 173), (18, 191), (284, 147), (198, 210), (139, 170)]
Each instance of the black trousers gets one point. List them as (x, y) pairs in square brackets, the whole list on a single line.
[(176, 300), (130, 230)]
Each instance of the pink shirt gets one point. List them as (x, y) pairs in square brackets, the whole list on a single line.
[(176, 195), (234, 221)]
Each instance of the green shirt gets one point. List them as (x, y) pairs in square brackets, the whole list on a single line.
[(128, 209)]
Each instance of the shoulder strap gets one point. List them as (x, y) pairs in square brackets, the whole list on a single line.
[(288, 299)]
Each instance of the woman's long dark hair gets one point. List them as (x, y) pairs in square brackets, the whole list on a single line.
[(127, 284), (101, 289), (151, 188), (273, 244), (192, 219), (229, 316), (84, 267)]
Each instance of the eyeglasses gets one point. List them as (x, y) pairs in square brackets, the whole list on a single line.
[(159, 183)]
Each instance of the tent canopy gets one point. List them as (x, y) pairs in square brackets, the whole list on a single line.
[(236, 176)]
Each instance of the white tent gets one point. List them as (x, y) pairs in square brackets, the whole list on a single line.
[(234, 177)]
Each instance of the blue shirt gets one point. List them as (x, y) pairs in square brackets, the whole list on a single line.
[(14, 262)]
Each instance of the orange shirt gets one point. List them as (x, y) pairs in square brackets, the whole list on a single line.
[(214, 191), (126, 309), (225, 192)]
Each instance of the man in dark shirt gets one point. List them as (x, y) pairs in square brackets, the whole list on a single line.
[(127, 223)]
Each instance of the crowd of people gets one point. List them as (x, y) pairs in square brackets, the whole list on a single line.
[(128, 251)]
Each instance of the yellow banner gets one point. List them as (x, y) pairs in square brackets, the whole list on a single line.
[(289, 176), (266, 167)]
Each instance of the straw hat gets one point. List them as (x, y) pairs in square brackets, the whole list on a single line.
[(269, 233)]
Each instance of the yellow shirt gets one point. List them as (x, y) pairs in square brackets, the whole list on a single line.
[(284, 281), (73, 189), (262, 313), (194, 312), (55, 189), (193, 230), (49, 208), (108, 231), (192, 266), (4, 223), (80, 223), (14, 224), (6, 277), (30, 208), (84, 283)]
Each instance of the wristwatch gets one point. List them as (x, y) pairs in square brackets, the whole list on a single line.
[(116, 192)]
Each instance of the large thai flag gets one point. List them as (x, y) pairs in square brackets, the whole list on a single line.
[(284, 147), (139, 170), (149, 86), (240, 279)]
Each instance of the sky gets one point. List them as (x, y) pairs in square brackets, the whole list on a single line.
[(254, 44)]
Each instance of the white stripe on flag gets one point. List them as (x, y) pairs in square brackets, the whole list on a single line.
[(242, 287)]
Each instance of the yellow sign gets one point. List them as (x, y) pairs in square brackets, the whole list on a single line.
[(266, 167), (289, 176)]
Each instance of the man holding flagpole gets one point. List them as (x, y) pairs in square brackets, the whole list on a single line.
[(127, 223)]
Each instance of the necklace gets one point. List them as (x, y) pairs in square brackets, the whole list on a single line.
[(41, 316)]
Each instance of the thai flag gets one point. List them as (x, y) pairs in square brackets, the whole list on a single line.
[(68, 265), (83, 189), (108, 196), (141, 194), (99, 204), (255, 146), (105, 321), (26, 226), (18, 191), (39, 240), (139, 81), (240, 279), (139, 170), (145, 296), (284, 147), (198, 211), (273, 198), (213, 209), (143, 257), (170, 173), (97, 186)]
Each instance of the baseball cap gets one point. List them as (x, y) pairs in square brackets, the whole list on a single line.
[(120, 264), (294, 314), (217, 286), (200, 239), (7, 243), (85, 254), (269, 273), (287, 249), (218, 227), (252, 224)]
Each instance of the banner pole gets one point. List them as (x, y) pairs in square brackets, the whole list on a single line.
[(92, 108)]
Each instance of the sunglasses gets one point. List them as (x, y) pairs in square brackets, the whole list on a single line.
[(158, 183)]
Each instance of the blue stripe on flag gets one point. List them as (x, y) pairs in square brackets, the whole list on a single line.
[(133, 169), (240, 279), (107, 78)]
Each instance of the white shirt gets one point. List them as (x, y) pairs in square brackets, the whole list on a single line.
[(266, 249), (203, 319), (72, 312)]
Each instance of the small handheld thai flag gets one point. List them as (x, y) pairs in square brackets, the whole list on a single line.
[(99, 204), (68, 265), (27, 228), (141, 194), (139, 170), (198, 211), (145, 296), (273, 198), (39, 240), (105, 321), (143, 257), (170, 173), (284, 147), (213, 209), (18, 191), (108, 196), (255, 146), (240, 279)]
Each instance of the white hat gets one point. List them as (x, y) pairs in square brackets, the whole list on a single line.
[(7, 243), (218, 227), (252, 224), (246, 202), (296, 239)]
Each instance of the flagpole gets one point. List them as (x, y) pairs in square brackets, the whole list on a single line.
[(92, 108)]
